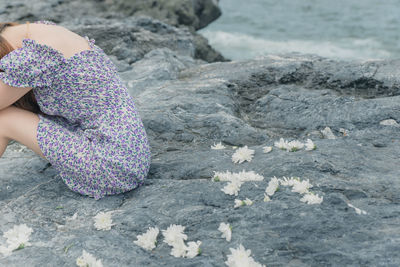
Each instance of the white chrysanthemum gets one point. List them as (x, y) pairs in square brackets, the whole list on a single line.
[(88, 260), (222, 176), (311, 198), (289, 181), (240, 257), (327, 133), (179, 249), (218, 146), (243, 176), (249, 176), (148, 240), (193, 249), (358, 211), (266, 198), (282, 144), (242, 154), (103, 220), (294, 145), (174, 234), (273, 185), (238, 203), (248, 202), (232, 188), (310, 145), (267, 149), (301, 187), (17, 237), (226, 230)]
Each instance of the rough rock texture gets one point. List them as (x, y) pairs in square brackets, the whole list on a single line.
[(193, 13), (187, 15), (187, 105)]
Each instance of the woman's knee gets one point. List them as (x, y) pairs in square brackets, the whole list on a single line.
[(20, 125)]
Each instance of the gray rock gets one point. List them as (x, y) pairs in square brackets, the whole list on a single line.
[(186, 107), (109, 18), (194, 13)]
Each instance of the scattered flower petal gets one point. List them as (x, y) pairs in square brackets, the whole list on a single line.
[(248, 202), (232, 188), (282, 144), (301, 187), (240, 257), (242, 154), (174, 234), (193, 249), (310, 145), (103, 220), (148, 240), (226, 230), (273, 185), (88, 260), (267, 149), (289, 181), (218, 146), (327, 133), (294, 145), (17, 238), (311, 198)]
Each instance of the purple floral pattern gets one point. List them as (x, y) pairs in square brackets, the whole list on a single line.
[(90, 132)]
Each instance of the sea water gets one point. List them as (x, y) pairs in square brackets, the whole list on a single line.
[(337, 29)]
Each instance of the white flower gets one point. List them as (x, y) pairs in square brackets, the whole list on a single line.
[(239, 203), (273, 185), (248, 201), (174, 234), (310, 198), (310, 145), (266, 198), (148, 240), (179, 249), (301, 187), (103, 220), (327, 133), (87, 260), (267, 149), (240, 257), (242, 154), (242, 176), (249, 176), (289, 181), (218, 146), (282, 144), (358, 211), (226, 230), (17, 238), (222, 176), (294, 145), (232, 188), (193, 249)]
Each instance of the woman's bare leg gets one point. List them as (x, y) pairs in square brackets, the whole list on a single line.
[(19, 125)]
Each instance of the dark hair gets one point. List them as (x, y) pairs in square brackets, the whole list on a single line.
[(28, 101)]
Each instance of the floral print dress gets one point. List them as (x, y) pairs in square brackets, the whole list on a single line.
[(90, 131)]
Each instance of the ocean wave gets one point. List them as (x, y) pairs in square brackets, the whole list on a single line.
[(238, 46)]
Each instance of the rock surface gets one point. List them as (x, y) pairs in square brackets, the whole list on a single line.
[(187, 105), (188, 15)]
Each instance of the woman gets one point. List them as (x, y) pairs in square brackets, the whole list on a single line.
[(61, 96)]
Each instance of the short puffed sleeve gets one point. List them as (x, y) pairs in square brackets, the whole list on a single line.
[(32, 65)]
